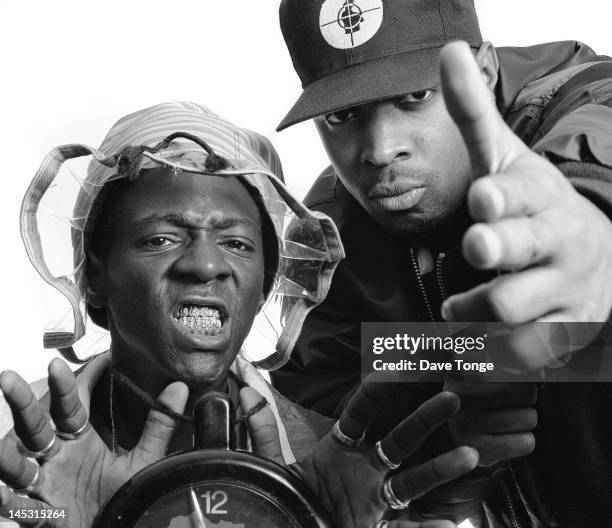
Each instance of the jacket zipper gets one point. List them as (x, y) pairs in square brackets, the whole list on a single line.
[(509, 503), (440, 276), (417, 272), (439, 268)]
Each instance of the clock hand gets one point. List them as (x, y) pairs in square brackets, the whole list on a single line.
[(198, 510)]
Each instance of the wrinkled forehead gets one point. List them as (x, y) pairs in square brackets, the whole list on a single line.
[(161, 197)]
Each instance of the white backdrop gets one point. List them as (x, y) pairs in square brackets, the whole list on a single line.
[(70, 68)]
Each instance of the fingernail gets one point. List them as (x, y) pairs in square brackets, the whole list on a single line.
[(488, 248), (498, 202), (486, 202), (447, 311), (493, 245)]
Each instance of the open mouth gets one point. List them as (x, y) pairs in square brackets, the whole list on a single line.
[(204, 319)]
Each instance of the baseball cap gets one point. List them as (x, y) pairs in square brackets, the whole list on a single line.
[(351, 52)]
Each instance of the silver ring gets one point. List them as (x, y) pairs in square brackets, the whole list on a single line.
[(384, 458), (76, 434), (43, 454), (381, 524), (392, 499), (344, 440), (31, 486)]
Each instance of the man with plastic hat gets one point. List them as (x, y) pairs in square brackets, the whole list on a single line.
[(450, 162), (182, 229)]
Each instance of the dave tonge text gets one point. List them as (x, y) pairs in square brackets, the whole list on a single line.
[(423, 365)]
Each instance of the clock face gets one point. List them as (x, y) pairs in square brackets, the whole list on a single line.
[(213, 489), (216, 504)]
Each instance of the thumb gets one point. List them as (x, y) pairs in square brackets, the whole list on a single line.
[(262, 426), (491, 144), (159, 427)]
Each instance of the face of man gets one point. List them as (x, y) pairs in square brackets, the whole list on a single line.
[(184, 276), (402, 159)]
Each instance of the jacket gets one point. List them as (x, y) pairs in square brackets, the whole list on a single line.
[(558, 99)]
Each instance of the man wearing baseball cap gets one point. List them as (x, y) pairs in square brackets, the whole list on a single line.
[(449, 162)]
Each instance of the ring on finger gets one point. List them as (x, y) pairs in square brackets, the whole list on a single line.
[(392, 499), (381, 524), (32, 486), (344, 440), (384, 458), (75, 434), (46, 452)]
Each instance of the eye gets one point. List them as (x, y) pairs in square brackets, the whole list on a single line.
[(417, 97), (238, 246), (339, 117), (159, 242)]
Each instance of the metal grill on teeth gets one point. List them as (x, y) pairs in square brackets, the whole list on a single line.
[(195, 311), (200, 322)]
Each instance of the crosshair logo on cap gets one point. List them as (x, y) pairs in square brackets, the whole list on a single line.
[(349, 23)]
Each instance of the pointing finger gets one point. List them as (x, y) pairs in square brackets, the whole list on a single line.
[(491, 144)]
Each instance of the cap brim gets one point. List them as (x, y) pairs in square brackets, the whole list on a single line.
[(366, 82)]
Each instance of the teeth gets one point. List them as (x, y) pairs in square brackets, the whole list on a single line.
[(206, 322), (198, 311)]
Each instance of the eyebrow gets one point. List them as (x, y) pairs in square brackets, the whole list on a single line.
[(216, 221)]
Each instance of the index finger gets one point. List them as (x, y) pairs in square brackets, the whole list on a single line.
[(408, 436), (67, 411), (471, 104), (361, 410)]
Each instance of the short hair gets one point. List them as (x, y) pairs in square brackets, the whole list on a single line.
[(98, 235)]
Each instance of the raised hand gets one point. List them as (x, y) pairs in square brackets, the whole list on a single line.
[(357, 483), (75, 469), (529, 220)]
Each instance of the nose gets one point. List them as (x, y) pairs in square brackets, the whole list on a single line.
[(384, 138), (203, 259)]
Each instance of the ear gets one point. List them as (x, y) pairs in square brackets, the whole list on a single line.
[(489, 65), (94, 286)]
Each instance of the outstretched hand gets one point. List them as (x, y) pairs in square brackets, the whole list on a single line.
[(350, 480), (75, 469), (529, 220)]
